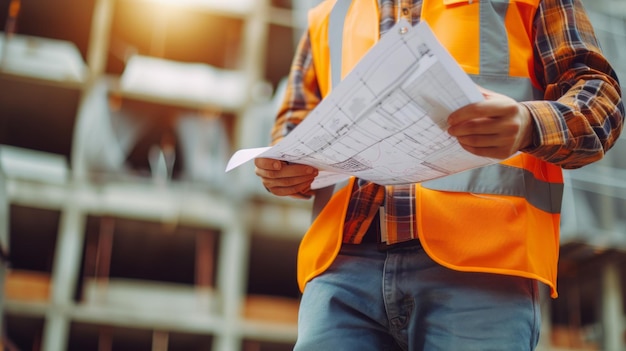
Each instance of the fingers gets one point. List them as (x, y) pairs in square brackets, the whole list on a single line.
[(289, 186), (496, 106), (274, 169), (496, 127), (489, 128), (488, 137), (283, 179), (267, 164)]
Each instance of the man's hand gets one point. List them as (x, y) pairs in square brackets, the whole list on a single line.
[(285, 179), (497, 127)]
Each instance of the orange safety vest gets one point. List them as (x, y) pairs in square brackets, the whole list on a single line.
[(502, 218)]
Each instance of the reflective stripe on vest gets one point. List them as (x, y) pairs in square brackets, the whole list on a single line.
[(336, 24), (543, 195), (494, 63), (335, 40)]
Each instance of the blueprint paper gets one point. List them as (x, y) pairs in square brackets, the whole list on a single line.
[(386, 121)]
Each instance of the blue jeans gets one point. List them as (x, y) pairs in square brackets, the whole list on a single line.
[(402, 300)]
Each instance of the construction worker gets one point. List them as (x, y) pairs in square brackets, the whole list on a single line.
[(463, 255)]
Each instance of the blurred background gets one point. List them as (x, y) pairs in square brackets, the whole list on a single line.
[(119, 229)]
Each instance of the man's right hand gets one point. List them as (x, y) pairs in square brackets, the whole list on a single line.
[(285, 179)]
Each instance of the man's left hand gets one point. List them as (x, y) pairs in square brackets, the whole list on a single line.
[(497, 127)]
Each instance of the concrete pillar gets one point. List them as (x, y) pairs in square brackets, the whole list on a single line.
[(612, 309)]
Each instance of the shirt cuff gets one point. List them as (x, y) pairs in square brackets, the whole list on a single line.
[(547, 125)]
